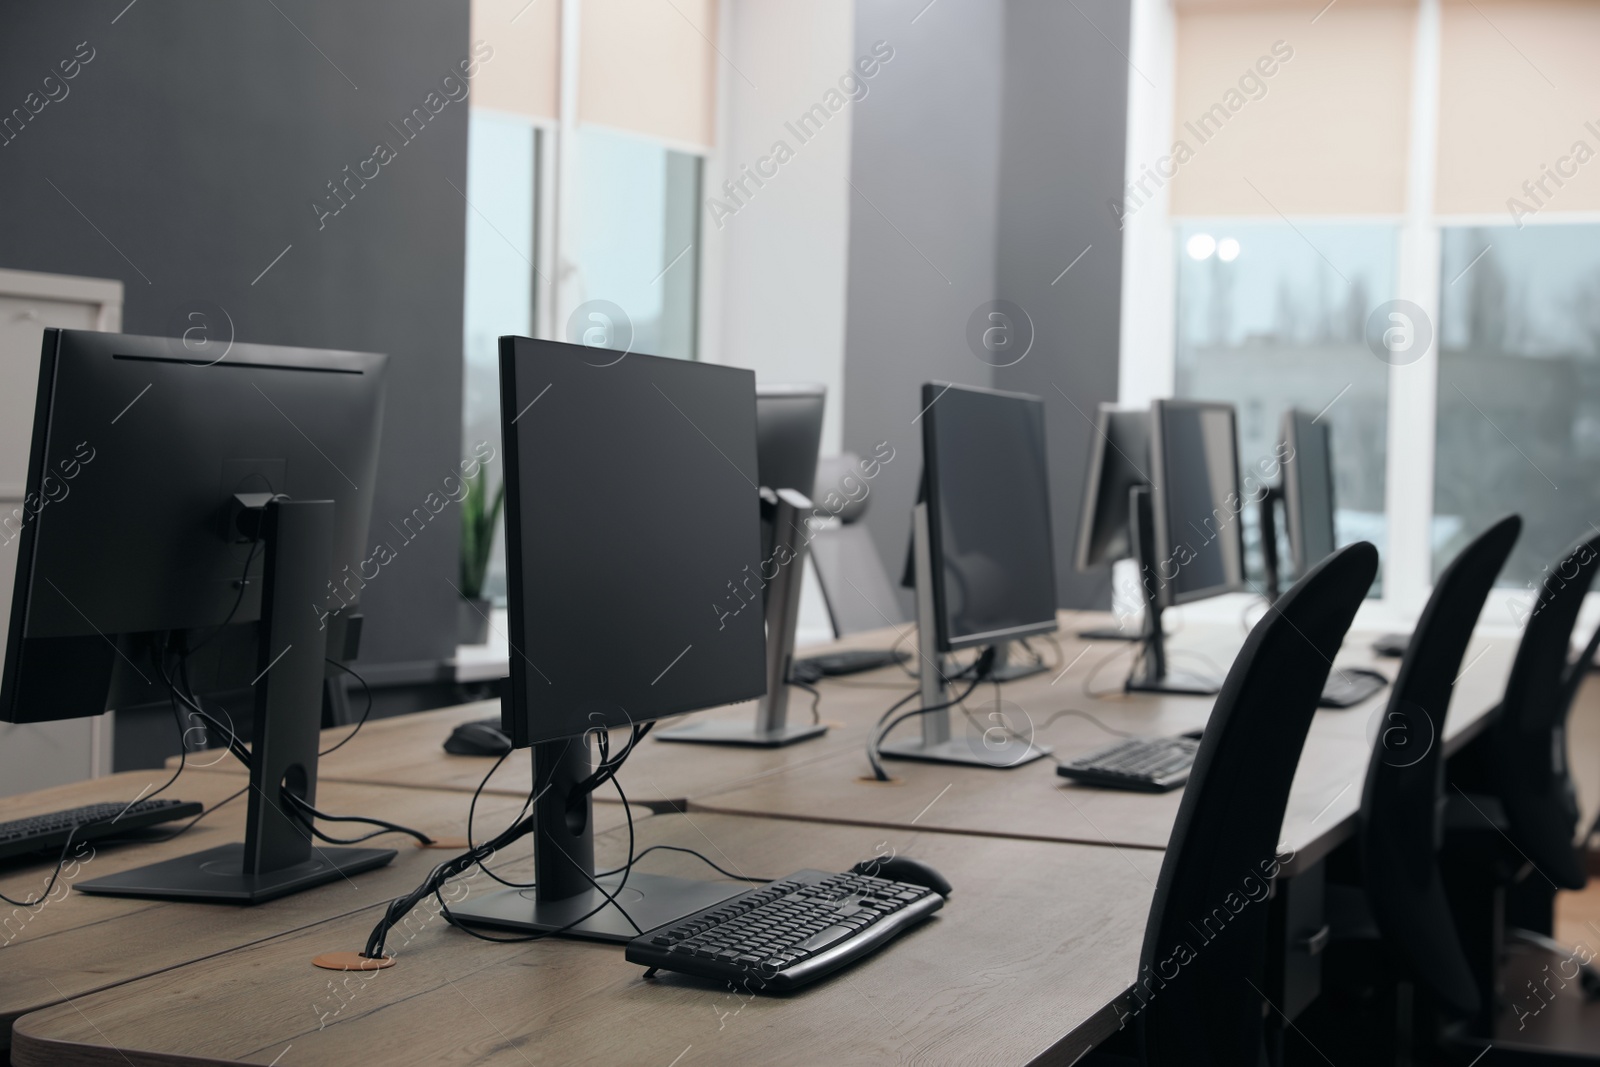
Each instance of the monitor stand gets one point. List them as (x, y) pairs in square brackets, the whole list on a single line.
[(564, 866), (1005, 671), (993, 746), (1150, 673), (786, 510), (278, 856)]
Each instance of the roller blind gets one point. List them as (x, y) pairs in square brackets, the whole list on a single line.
[(1519, 108), (1313, 114), (523, 76), (648, 66)]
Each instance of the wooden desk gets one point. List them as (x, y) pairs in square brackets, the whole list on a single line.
[(1033, 802), (1015, 969), (77, 943)]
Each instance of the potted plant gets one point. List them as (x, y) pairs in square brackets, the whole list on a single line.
[(479, 517)]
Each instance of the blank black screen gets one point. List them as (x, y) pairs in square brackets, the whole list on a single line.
[(989, 514), (632, 544)]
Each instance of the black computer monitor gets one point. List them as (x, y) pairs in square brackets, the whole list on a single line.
[(988, 492), (1308, 489), (789, 435), (631, 517), (1119, 459), (168, 496), (982, 557), (1194, 467)]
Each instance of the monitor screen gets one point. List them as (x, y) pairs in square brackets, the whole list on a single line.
[(1199, 541), (789, 435), (1308, 489), (1119, 460), (632, 550), (988, 495), (138, 450)]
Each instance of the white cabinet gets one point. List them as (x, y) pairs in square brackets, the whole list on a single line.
[(41, 754)]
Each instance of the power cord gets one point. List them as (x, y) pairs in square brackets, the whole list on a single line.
[(978, 671), (477, 854), (816, 697), (366, 712)]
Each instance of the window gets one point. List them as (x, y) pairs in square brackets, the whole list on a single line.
[(1519, 389), (1270, 318), (635, 245)]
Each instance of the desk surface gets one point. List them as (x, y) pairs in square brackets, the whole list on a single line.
[(75, 943), (1013, 970), (824, 778), (1032, 801)]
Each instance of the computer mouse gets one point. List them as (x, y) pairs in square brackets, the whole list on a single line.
[(905, 869), (477, 739)]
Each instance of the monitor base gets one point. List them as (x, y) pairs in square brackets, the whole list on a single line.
[(651, 900), (1181, 682), (1002, 754), (217, 876), (1012, 672), (1108, 633), (741, 732)]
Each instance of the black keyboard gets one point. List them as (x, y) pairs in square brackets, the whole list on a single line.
[(1348, 686), (1150, 764), (786, 934), (831, 664), (48, 832)]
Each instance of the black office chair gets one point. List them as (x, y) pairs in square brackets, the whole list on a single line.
[(1398, 897), (1199, 998), (1527, 745), (1400, 821)]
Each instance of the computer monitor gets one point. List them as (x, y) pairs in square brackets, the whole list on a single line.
[(983, 526), (1119, 460), (1308, 489), (1198, 536), (1186, 528), (166, 497), (788, 437), (631, 518)]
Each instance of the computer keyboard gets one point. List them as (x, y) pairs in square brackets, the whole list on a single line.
[(831, 664), (789, 933), (1348, 686), (1149, 764), (36, 833)]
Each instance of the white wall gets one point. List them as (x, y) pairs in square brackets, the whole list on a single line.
[(777, 264)]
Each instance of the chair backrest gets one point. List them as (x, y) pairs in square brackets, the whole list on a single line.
[(1401, 807), (1205, 941), (1529, 749), (853, 579)]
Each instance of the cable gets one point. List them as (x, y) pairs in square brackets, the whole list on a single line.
[(1085, 715), (66, 846), (702, 857), (307, 813), (475, 855), (816, 697), (981, 669), (1094, 672), (365, 688)]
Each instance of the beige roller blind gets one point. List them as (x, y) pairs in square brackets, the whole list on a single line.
[(1519, 102), (648, 66), (523, 76), (1314, 114)]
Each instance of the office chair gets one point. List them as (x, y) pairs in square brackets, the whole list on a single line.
[(1396, 924), (854, 582), (1199, 998), (1527, 747)]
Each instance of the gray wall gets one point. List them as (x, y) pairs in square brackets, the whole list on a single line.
[(925, 152), (1062, 160), (989, 146), (196, 140)]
